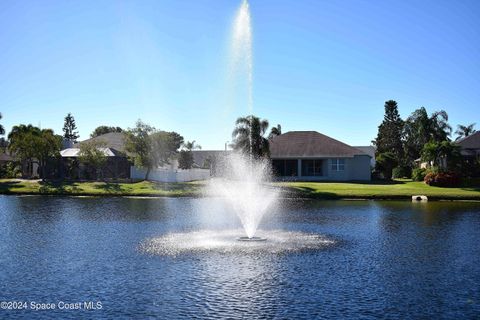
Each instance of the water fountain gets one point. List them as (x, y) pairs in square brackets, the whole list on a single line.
[(243, 186), (243, 178)]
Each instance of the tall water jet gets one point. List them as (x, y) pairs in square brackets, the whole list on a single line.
[(243, 178), (241, 56)]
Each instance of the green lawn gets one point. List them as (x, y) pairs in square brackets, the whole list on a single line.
[(400, 189), (144, 188)]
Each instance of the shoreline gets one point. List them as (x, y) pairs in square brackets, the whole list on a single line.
[(397, 190)]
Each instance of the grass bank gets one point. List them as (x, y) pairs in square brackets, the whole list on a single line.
[(399, 189), (143, 188)]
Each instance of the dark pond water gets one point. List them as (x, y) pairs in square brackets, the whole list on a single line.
[(152, 258)]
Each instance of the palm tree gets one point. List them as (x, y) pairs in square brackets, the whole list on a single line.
[(2, 129), (191, 145), (465, 131), (248, 136), (275, 131)]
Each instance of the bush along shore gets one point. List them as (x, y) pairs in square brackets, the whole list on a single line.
[(398, 189)]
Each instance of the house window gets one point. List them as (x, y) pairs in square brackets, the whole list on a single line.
[(338, 164), (285, 168), (312, 168)]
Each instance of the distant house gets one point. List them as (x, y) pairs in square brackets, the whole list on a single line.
[(370, 150), (470, 146), (117, 166), (209, 159), (312, 156)]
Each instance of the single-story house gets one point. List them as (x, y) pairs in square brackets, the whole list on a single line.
[(312, 156), (116, 167), (470, 146), (370, 150)]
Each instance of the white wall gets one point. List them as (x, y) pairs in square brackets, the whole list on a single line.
[(165, 175)]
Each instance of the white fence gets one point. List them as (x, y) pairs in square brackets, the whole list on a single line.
[(170, 175)]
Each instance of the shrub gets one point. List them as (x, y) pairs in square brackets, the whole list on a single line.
[(402, 172), (10, 170), (442, 179), (418, 174)]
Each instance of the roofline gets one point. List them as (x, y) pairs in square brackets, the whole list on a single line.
[(320, 156)]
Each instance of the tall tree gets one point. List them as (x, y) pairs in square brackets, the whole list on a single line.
[(29, 144), (185, 158), (275, 131), (48, 146), (2, 129), (465, 131), (165, 146), (139, 145), (389, 137), (420, 128), (150, 148), (69, 128), (92, 153), (21, 143), (103, 130), (249, 136)]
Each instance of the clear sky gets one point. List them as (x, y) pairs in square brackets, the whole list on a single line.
[(318, 65)]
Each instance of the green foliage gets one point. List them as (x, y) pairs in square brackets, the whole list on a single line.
[(402, 172), (69, 128), (248, 136), (185, 159), (92, 153), (10, 170), (465, 131), (389, 137), (420, 129), (27, 143), (2, 129), (385, 162), (139, 145), (275, 131), (149, 148), (442, 154), (165, 146), (418, 174), (103, 130)]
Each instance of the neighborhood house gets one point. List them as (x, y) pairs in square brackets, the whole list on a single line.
[(312, 156)]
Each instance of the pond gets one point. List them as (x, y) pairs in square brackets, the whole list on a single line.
[(179, 258)]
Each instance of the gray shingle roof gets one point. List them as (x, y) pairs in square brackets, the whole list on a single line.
[(112, 140), (200, 156), (470, 142), (310, 144)]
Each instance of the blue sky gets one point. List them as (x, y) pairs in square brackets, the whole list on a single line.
[(318, 65)]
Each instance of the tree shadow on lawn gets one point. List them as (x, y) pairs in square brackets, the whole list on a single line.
[(377, 182), (6, 186), (177, 186), (475, 189), (58, 187), (109, 187), (307, 192)]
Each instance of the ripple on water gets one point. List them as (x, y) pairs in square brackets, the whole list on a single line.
[(225, 241)]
